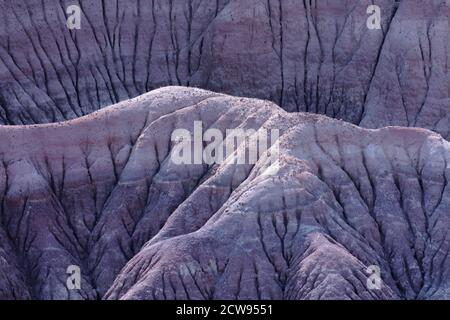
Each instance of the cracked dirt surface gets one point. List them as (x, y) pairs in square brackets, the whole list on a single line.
[(305, 55), (102, 192)]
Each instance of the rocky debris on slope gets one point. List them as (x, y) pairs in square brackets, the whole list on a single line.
[(305, 55), (103, 193)]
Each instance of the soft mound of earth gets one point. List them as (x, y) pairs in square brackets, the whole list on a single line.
[(304, 55), (102, 192)]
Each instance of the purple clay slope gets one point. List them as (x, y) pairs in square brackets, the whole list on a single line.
[(304, 55), (103, 193)]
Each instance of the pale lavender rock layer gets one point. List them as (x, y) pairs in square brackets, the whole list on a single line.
[(101, 192), (304, 55)]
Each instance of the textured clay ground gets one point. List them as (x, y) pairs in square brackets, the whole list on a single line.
[(101, 192), (86, 170)]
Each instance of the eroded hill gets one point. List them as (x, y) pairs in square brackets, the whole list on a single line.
[(304, 55), (101, 192)]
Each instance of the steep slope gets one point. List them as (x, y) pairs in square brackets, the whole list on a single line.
[(305, 55), (102, 192)]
